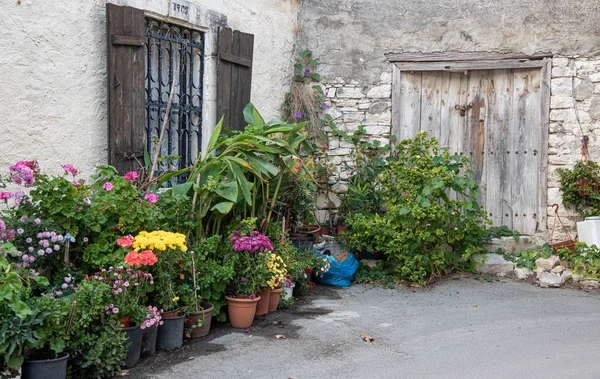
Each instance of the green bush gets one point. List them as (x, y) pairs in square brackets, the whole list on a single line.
[(432, 220), (574, 184)]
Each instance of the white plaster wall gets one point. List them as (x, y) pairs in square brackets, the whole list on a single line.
[(53, 71)]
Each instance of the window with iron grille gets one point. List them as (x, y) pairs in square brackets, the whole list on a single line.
[(174, 60)]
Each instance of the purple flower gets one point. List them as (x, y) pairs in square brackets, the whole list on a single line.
[(68, 279), (252, 296), (48, 250), (56, 248), (64, 286), (108, 186), (40, 252), (306, 72), (244, 280), (324, 106), (58, 293), (28, 240), (298, 114), (23, 218), (37, 221), (30, 249), (85, 239)]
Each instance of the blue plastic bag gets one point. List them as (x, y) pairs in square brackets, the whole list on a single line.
[(340, 274)]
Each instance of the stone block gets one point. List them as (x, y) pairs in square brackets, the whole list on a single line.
[(339, 187), (339, 151), (379, 107), (558, 72), (523, 273), (560, 62), (331, 92), (324, 203), (495, 264), (584, 90), (354, 117), (595, 78), (334, 112), (350, 93), (547, 264), (563, 115), (589, 284), (561, 102), (561, 87), (379, 119), (334, 142), (378, 129), (550, 280), (385, 77), (382, 91), (344, 102)]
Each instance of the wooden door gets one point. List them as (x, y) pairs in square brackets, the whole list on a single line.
[(495, 118)]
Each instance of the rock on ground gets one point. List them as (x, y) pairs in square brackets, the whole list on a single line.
[(547, 264), (495, 265), (523, 273), (589, 284), (549, 279)]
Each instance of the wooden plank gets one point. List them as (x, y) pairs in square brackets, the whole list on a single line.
[(237, 60), (543, 151), (450, 118), (235, 98), (498, 129), (128, 40), (410, 104), (476, 119), (396, 104), (530, 141), (431, 98), (474, 65), (459, 56), (461, 130), (224, 76), (518, 135), (126, 97), (244, 83)]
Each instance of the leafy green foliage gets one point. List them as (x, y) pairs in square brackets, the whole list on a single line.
[(580, 187), (585, 260), (432, 220), (499, 231), (17, 333), (526, 258), (378, 275)]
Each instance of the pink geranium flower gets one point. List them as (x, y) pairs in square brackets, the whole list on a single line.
[(108, 186), (151, 197)]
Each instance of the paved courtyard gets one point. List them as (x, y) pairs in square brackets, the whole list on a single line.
[(461, 327)]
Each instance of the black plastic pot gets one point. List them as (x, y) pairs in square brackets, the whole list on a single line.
[(38, 366), (149, 340), (302, 241), (205, 315), (134, 339), (170, 333)]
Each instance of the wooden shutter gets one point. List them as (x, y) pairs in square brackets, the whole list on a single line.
[(234, 76), (126, 90)]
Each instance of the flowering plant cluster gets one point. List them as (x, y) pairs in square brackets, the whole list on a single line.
[(277, 270), (24, 172), (159, 240), (143, 258), (252, 243), (128, 287), (152, 318)]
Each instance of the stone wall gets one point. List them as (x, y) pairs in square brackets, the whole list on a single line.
[(351, 37), (574, 109)]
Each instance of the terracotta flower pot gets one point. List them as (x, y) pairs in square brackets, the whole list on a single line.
[(241, 311), (206, 315), (262, 307), (125, 321), (275, 297)]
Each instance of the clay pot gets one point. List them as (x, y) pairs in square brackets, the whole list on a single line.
[(341, 229), (262, 307), (125, 321), (241, 311), (315, 230), (583, 186), (275, 297), (206, 315)]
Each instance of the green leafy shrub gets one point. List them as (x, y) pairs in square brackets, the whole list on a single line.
[(585, 260), (580, 186), (432, 219), (526, 258)]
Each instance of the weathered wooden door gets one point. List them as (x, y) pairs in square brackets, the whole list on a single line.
[(494, 118)]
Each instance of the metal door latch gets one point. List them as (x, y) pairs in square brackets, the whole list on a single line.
[(463, 108)]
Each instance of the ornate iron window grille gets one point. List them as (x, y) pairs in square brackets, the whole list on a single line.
[(174, 53)]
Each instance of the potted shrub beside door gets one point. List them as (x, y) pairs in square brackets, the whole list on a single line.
[(579, 184), (251, 274)]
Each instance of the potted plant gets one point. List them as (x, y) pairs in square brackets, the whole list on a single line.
[(170, 282), (277, 271), (128, 288), (149, 329), (288, 288), (579, 187), (250, 273), (198, 322)]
